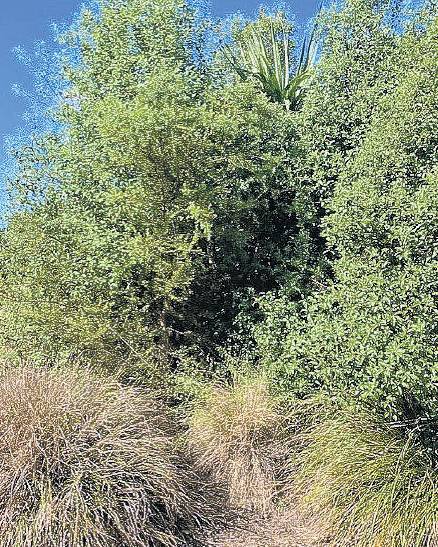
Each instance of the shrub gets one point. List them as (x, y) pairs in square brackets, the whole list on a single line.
[(88, 462), (371, 333), (352, 74), (240, 435), (368, 485), (119, 247)]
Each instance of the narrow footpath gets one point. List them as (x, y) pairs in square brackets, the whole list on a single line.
[(281, 530)]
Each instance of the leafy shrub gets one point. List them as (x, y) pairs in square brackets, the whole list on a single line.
[(165, 197), (372, 332), (355, 69), (87, 462), (240, 435), (368, 485)]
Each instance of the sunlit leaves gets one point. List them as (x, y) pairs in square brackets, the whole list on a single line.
[(265, 54)]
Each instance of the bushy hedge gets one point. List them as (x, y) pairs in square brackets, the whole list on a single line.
[(371, 335)]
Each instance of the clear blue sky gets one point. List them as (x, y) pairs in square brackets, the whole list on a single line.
[(24, 22)]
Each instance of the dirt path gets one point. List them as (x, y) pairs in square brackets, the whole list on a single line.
[(280, 530)]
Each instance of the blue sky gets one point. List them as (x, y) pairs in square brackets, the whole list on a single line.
[(24, 22)]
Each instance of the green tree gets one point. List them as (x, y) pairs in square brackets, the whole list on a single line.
[(113, 241), (354, 71), (165, 199), (372, 334)]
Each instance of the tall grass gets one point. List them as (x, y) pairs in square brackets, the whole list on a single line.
[(86, 462), (369, 486), (239, 434)]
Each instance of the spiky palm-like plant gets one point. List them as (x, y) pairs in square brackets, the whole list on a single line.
[(265, 56)]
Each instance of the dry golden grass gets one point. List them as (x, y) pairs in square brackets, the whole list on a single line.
[(86, 462), (239, 435)]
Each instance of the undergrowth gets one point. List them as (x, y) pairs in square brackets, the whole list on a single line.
[(85, 461), (368, 484), (240, 435)]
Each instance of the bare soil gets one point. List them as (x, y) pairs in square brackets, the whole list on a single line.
[(283, 529)]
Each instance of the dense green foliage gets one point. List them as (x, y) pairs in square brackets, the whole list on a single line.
[(371, 333), (164, 200), (224, 208), (355, 69), (177, 191)]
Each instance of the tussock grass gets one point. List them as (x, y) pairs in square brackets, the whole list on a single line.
[(368, 485), (239, 434), (86, 462)]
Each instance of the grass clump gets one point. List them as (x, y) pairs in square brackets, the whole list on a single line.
[(85, 461), (368, 485), (239, 434)]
